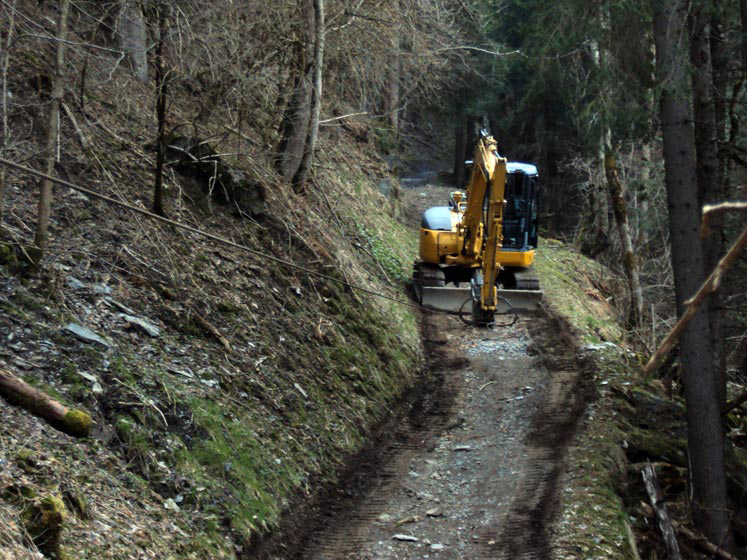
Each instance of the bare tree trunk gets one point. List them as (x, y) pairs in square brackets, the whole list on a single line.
[(299, 181), (743, 17), (161, 96), (394, 78), (710, 190), (297, 118), (704, 434), (41, 236), (645, 171), (133, 39), (460, 148), (720, 59), (4, 93), (630, 260)]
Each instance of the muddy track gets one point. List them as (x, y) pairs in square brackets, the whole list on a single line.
[(525, 532), (471, 469), (342, 530), (363, 480)]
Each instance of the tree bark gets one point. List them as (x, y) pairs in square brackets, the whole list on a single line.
[(393, 91), (41, 237), (4, 93), (460, 148), (133, 39), (69, 420), (601, 220), (297, 117), (720, 59), (161, 97), (302, 175), (704, 434), (710, 190), (630, 260), (743, 18)]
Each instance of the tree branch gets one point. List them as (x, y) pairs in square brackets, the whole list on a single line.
[(710, 286)]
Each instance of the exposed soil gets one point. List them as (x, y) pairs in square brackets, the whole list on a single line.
[(472, 469)]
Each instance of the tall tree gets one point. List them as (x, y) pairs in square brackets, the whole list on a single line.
[(710, 189), (395, 71), (41, 236), (4, 93), (704, 434), (630, 261), (297, 117), (301, 176), (162, 83), (460, 146), (132, 38)]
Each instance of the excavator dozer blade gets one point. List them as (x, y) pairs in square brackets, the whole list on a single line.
[(454, 300), (451, 300), (521, 301)]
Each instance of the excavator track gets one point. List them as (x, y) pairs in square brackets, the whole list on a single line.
[(526, 279)]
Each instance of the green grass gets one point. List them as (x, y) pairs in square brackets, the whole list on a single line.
[(570, 282), (592, 519)]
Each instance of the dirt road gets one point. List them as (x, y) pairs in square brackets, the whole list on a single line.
[(472, 471), (472, 468)]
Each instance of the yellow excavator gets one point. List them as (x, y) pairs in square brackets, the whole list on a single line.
[(479, 250)]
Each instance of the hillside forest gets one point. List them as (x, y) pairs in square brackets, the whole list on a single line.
[(193, 194)]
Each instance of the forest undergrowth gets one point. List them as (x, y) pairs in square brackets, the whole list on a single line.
[(225, 388)]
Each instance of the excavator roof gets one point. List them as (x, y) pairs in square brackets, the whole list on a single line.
[(526, 168), (515, 167)]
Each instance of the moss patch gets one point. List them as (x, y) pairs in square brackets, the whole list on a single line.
[(78, 423), (593, 522), (580, 290), (44, 520)]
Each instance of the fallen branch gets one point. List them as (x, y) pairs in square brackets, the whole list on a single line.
[(212, 330), (693, 537), (71, 421), (660, 512), (711, 209), (71, 117), (710, 286), (325, 121), (736, 403)]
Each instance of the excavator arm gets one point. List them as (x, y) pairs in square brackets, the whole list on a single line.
[(482, 223), (494, 234)]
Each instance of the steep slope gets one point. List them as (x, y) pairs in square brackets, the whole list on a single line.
[(225, 388)]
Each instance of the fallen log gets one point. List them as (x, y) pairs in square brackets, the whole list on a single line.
[(693, 537), (660, 511), (205, 324), (71, 421)]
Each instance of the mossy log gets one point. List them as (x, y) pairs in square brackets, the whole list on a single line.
[(69, 420)]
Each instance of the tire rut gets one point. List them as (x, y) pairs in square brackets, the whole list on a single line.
[(526, 532), (483, 438)]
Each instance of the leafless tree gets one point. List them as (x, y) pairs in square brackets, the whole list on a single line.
[(41, 236)]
